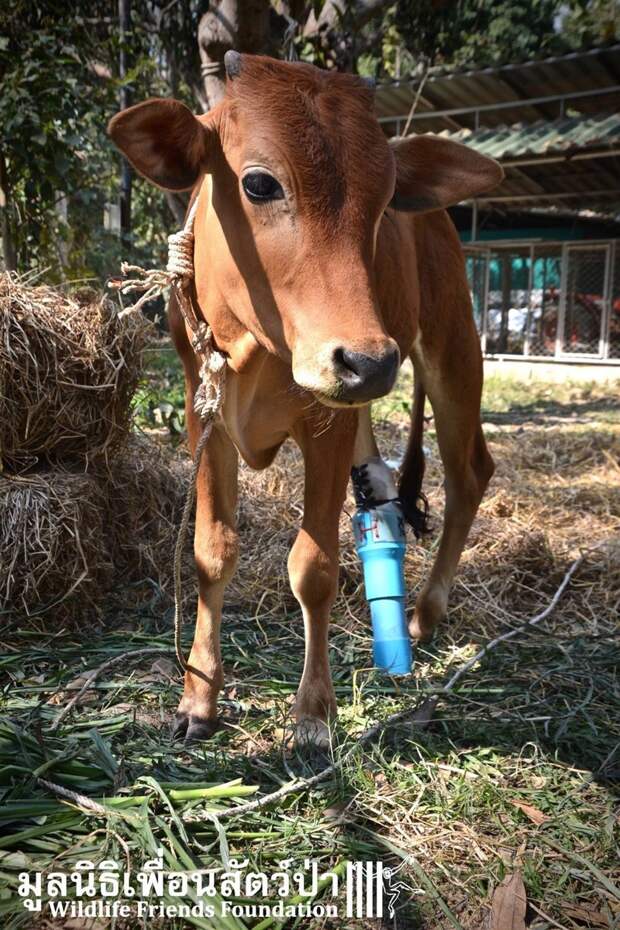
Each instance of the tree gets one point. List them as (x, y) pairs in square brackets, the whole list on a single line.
[(59, 84), (328, 32), (124, 23), (49, 103), (6, 209), (229, 24), (487, 32)]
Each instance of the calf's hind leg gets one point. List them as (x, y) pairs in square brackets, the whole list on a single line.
[(454, 394)]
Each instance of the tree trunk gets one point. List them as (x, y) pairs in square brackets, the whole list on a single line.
[(124, 9), (8, 245), (253, 26), (239, 24), (335, 28), (335, 12)]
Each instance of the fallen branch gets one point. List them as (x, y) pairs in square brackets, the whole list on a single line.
[(423, 711), (519, 629), (93, 675)]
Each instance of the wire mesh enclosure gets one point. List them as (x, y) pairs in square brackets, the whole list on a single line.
[(556, 300)]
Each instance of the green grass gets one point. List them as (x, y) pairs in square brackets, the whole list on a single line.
[(160, 399), (536, 723)]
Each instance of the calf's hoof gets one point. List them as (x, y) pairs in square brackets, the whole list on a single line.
[(313, 734), (419, 632), (430, 610), (192, 728)]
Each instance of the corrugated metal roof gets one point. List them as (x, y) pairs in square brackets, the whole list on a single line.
[(543, 137), (556, 152), (596, 69), (565, 60)]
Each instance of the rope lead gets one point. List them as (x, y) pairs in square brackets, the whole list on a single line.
[(209, 395)]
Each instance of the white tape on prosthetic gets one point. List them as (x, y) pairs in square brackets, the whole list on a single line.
[(373, 483)]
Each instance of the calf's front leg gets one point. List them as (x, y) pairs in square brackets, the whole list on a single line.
[(313, 563), (215, 547)]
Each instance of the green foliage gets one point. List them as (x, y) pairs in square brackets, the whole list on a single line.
[(160, 401), (588, 22), (480, 31), (53, 140), (59, 86)]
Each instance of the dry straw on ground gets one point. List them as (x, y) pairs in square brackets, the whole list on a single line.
[(554, 493), (68, 370)]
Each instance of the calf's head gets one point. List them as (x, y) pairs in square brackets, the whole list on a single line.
[(300, 175)]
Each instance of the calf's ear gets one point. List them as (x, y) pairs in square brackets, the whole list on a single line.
[(433, 173), (164, 141)]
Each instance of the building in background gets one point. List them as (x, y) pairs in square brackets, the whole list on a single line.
[(543, 250)]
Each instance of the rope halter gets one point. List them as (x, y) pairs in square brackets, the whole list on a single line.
[(179, 273)]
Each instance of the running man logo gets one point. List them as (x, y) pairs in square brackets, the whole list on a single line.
[(371, 887)]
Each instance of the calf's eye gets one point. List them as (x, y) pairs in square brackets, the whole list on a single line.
[(260, 187)]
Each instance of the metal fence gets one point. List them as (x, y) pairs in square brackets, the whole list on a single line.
[(555, 300)]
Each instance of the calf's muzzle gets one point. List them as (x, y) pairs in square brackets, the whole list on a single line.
[(363, 377)]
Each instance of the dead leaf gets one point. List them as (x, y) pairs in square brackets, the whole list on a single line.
[(144, 717), (115, 710), (509, 903), (337, 813), (68, 692), (166, 668), (380, 780), (588, 914), (160, 670), (531, 812)]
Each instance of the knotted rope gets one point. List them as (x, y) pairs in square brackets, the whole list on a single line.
[(209, 395), (179, 272)]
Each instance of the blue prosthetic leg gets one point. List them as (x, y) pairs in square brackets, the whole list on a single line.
[(379, 530)]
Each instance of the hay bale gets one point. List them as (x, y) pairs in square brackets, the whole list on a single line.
[(52, 557), (68, 541), (68, 370)]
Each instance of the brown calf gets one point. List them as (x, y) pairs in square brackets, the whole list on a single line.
[(323, 257)]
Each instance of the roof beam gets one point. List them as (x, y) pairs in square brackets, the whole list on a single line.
[(441, 72), (557, 159), (506, 198), (504, 105)]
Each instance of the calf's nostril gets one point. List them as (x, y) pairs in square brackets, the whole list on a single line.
[(345, 363), (363, 377)]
